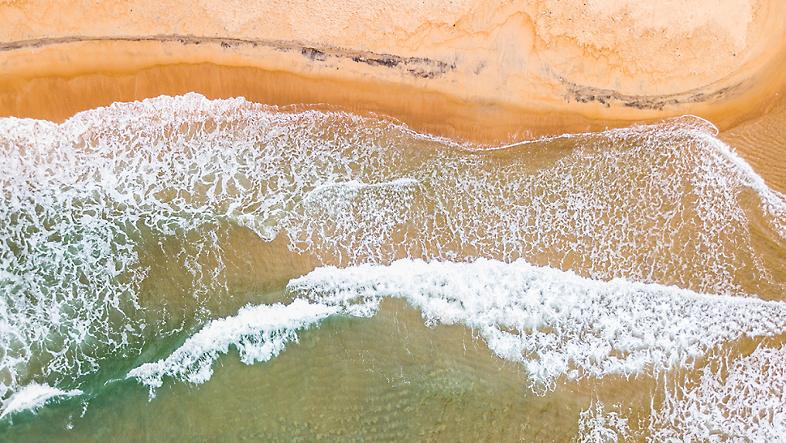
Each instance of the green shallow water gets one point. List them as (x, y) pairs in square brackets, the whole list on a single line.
[(384, 378)]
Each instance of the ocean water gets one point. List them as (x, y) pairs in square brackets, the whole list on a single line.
[(181, 269)]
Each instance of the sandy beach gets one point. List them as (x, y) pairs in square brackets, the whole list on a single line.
[(585, 251), (468, 70)]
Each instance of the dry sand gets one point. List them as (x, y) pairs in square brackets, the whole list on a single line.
[(473, 69)]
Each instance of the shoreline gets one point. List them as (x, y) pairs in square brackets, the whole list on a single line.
[(470, 70), (101, 72), (77, 71)]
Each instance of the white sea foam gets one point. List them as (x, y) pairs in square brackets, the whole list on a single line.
[(34, 396), (597, 425), (662, 203), (734, 400), (355, 185), (553, 322), (259, 333)]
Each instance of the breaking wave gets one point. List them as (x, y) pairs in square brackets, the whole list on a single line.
[(34, 396), (556, 325), (553, 322), (260, 333)]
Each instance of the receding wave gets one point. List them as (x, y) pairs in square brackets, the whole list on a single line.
[(598, 425), (743, 399)]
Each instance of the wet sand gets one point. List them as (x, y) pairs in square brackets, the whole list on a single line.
[(472, 71), (762, 142), (751, 125)]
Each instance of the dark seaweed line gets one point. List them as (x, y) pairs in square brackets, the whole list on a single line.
[(417, 66), (587, 94)]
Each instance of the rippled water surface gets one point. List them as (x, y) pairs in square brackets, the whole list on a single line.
[(187, 269)]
